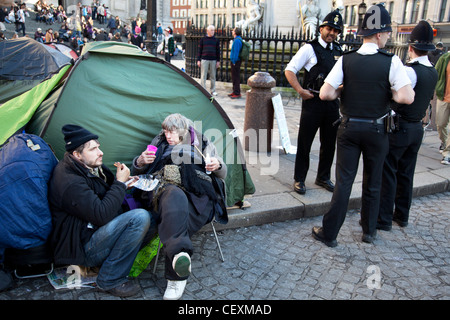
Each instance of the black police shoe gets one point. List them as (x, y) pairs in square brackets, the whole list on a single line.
[(300, 187), (327, 184), (385, 227), (369, 238), (317, 233), (400, 222)]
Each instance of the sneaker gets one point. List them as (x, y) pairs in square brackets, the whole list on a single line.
[(214, 93), (182, 264), (445, 160), (441, 148), (174, 289), (230, 94), (235, 96)]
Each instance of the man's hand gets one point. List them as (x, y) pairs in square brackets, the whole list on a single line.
[(306, 94), (293, 81), (123, 172)]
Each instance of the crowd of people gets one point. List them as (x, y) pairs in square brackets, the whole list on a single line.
[(73, 28)]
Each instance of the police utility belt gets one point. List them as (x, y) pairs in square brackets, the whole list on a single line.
[(389, 120)]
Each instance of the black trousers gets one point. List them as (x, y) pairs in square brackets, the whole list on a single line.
[(236, 77), (354, 139), (177, 222), (316, 114), (398, 172)]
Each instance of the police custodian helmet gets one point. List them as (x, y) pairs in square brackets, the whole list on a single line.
[(422, 37), (376, 19), (334, 20)]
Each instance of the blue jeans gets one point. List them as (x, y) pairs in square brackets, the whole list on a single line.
[(115, 245)]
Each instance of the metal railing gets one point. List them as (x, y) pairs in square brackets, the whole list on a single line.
[(271, 51)]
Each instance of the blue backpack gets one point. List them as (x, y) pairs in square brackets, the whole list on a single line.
[(26, 165)]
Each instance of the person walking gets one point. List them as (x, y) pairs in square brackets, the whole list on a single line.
[(208, 58), (168, 44), (443, 105), (318, 58), (20, 22), (366, 80), (236, 64), (404, 143)]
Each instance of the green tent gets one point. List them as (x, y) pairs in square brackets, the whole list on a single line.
[(123, 94)]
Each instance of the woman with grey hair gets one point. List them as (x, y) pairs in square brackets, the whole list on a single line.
[(190, 194)]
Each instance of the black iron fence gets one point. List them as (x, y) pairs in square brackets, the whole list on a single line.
[(271, 51)]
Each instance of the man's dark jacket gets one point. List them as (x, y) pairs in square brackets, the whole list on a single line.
[(80, 203)]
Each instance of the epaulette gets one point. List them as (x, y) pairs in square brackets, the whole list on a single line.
[(412, 63), (351, 51), (389, 54)]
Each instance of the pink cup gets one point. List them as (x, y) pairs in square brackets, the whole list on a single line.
[(152, 148)]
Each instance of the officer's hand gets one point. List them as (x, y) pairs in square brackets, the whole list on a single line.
[(306, 94)]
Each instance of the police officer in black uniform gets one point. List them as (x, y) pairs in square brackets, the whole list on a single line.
[(318, 58), (404, 143), (364, 79)]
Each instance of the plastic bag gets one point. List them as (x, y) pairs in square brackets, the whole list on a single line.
[(144, 257)]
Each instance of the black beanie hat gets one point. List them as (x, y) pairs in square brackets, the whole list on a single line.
[(75, 136)]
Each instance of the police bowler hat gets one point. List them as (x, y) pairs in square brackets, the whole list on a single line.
[(376, 19), (334, 20), (422, 37)]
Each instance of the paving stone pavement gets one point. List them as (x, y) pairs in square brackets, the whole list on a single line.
[(281, 261)]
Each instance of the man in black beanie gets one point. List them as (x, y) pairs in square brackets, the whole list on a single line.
[(89, 225)]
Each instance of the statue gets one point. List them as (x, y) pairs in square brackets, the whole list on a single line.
[(309, 15), (254, 15)]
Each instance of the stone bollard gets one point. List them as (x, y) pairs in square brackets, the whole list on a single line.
[(258, 123)]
